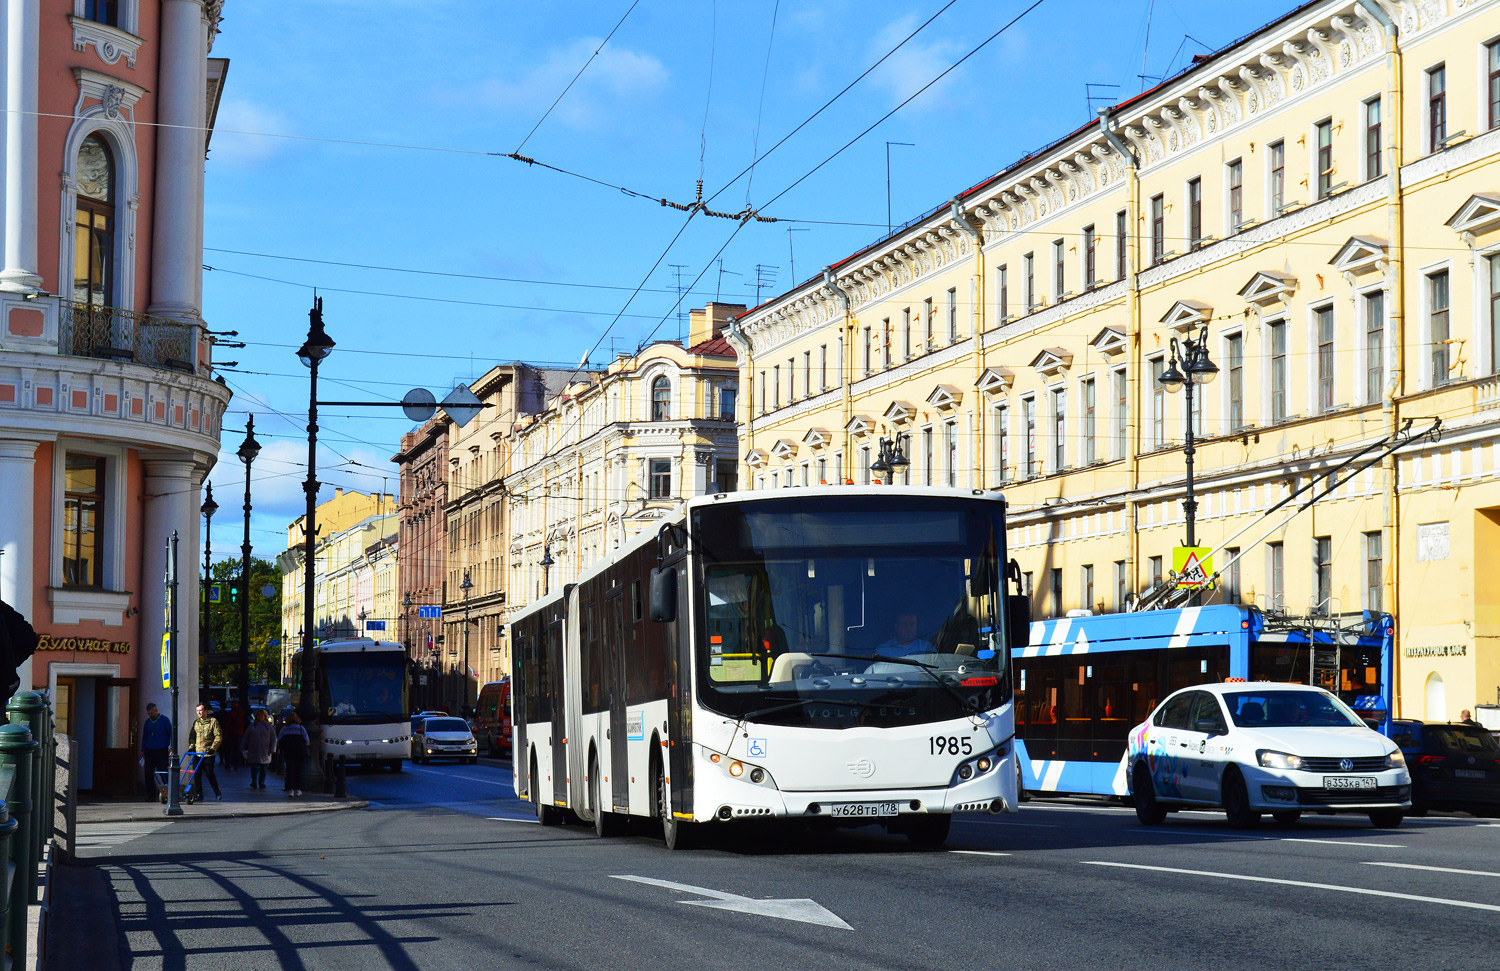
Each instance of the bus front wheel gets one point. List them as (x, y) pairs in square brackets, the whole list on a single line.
[(676, 833)]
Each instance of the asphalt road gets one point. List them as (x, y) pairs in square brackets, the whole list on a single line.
[(446, 871)]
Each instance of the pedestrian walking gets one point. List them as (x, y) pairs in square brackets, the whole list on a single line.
[(258, 747), (206, 740), (234, 722), (293, 743), (156, 744), (1466, 717)]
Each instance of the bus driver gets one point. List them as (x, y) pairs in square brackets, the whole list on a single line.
[(906, 640)]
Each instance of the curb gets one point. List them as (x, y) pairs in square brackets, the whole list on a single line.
[(237, 814)]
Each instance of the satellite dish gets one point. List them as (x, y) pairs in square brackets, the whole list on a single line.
[(462, 405), (419, 404)]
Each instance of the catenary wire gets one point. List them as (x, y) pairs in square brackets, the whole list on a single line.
[(574, 81)]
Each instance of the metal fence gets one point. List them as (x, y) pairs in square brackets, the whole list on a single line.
[(27, 764), (113, 334)]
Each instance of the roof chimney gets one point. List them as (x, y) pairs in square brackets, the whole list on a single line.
[(710, 321)]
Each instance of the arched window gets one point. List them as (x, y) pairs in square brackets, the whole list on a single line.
[(661, 399), (93, 243), (1437, 699)]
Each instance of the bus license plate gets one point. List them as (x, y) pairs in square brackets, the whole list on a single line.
[(1348, 782), (865, 809)]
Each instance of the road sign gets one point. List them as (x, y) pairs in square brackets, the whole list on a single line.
[(1194, 566), (462, 405), (430, 613), (215, 593), (419, 404), (374, 625)]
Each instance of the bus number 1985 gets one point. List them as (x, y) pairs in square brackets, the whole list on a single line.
[(949, 745)]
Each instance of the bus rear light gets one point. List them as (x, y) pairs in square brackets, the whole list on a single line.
[(736, 769)]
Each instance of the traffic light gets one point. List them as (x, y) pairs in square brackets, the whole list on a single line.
[(234, 593)]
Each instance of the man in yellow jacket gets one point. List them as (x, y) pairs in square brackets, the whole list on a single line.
[(206, 738)]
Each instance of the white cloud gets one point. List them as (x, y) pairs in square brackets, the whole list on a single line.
[(618, 75), (236, 116), (916, 63)]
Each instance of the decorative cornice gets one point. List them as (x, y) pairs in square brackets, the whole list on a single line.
[(111, 43)]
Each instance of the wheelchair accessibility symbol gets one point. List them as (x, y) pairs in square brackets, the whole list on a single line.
[(757, 748)]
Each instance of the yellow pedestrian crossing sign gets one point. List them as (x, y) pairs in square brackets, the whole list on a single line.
[(1194, 566)]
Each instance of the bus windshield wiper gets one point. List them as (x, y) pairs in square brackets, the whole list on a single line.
[(761, 712), (970, 706)]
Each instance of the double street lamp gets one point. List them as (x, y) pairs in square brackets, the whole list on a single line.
[(1189, 366), (463, 703), (892, 458), (312, 352), (248, 450)]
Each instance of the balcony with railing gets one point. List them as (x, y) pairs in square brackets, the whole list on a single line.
[(113, 334)]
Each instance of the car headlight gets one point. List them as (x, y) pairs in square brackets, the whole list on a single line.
[(1278, 760), (1395, 760)]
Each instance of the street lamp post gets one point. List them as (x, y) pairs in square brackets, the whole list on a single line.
[(546, 563), (463, 703), (312, 352), (248, 450), (208, 509), (892, 458), (1196, 369)]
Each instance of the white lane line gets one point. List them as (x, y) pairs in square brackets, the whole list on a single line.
[(1383, 846), (1366, 891), (980, 852), (511, 819), (1001, 821), (1438, 869), (467, 778)]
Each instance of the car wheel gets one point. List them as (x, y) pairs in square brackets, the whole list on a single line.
[(1147, 809), (1237, 802), (1287, 817), (546, 814), (930, 829), (678, 834), (1386, 818)]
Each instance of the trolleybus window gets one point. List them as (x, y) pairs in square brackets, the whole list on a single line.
[(871, 611)]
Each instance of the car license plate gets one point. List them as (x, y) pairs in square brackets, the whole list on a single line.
[(1469, 773), (1348, 782), (865, 809)]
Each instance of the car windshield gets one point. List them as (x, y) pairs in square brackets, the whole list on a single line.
[(444, 725), (1459, 741), (862, 611), (1288, 709)]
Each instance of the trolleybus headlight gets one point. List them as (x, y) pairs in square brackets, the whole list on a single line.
[(757, 775), (736, 769)]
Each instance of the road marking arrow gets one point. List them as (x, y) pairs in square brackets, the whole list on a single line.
[(799, 909)]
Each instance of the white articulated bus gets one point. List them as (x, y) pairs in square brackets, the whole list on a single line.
[(835, 655), (361, 685)]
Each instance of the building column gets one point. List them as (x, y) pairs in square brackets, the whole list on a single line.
[(171, 503), (17, 553), (176, 253), (22, 40)]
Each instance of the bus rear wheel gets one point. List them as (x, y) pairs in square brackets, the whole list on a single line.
[(676, 833)]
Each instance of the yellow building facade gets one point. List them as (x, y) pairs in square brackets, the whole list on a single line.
[(1322, 200)]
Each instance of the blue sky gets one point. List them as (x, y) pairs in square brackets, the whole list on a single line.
[(374, 122)]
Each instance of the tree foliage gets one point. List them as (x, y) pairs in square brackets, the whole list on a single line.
[(223, 623)]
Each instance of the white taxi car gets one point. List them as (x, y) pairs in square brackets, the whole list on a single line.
[(1259, 747)]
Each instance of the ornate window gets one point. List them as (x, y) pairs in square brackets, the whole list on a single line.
[(661, 398), (93, 261)]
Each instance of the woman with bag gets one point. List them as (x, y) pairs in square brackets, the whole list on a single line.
[(258, 747)]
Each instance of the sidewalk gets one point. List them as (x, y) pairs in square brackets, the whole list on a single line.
[(239, 800)]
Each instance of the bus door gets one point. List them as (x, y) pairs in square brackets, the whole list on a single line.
[(613, 617), (555, 672), (678, 645)]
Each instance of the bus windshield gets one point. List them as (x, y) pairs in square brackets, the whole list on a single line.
[(841, 611), (363, 687)]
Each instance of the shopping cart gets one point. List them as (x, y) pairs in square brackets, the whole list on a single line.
[(187, 774)]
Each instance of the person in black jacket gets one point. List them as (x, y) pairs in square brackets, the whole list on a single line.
[(17, 643)]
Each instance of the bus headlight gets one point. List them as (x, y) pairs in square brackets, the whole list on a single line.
[(978, 766), (736, 769)]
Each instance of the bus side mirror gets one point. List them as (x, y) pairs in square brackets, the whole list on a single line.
[(664, 595), (1018, 614)]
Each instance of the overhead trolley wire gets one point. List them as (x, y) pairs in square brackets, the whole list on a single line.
[(570, 84)]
